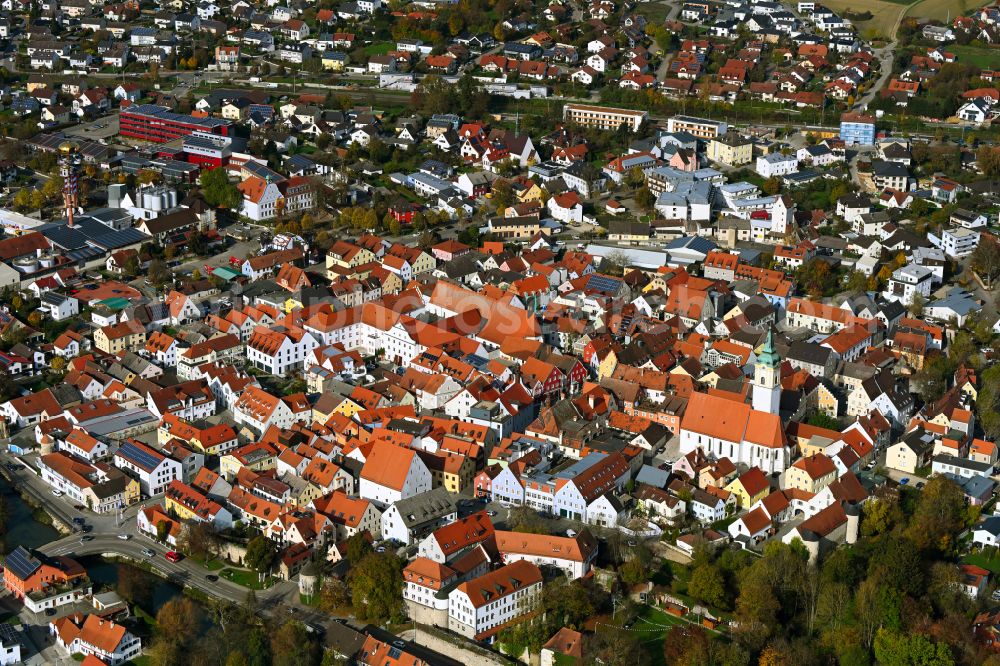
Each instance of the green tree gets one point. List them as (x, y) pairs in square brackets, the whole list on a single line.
[(503, 195), (614, 648), (823, 420), (771, 186), (149, 177), (635, 177), (857, 283), (178, 620), (376, 584), (988, 158), (686, 645), (985, 259), (22, 200), (333, 596), (292, 645), (988, 402), (218, 191), (708, 585), (875, 606), (261, 554), (523, 518), (131, 267), (162, 530), (158, 272), (568, 603), (895, 649), (358, 548), (200, 540), (880, 516), (135, 585), (644, 198), (939, 517), (931, 381)]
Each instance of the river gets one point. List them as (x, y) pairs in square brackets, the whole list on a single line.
[(23, 530), (21, 527)]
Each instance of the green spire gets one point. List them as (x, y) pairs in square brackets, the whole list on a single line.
[(769, 355)]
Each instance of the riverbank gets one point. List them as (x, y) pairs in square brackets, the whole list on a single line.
[(38, 512), (23, 526)]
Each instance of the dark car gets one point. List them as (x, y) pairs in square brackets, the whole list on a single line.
[(50, 611), (211, 578)]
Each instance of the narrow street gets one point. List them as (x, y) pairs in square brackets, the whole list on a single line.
[(675, 10), (885, 58)]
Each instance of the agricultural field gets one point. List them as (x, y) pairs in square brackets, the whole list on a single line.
[(980, 56), (942, 10), (886, 15)]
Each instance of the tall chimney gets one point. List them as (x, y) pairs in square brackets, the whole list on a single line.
[(69, 165)]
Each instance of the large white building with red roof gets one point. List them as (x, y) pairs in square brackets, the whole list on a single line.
[(481, 607), (725, 428), (392, 473), (93, 635)]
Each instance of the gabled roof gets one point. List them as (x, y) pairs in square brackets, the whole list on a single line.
[(388, 465)]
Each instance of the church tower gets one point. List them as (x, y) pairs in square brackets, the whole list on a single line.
[(767, 377)]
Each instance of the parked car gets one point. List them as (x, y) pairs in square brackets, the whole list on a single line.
[(173, 556), (148, 552), (124, 537), (57, 493)]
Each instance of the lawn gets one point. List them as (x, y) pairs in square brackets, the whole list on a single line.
[(987, 559), (378, 48), (248, 579), (651, 627), (980, 56), (213, 564)]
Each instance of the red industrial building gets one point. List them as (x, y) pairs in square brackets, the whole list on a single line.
[(152, 122), (207, 150)]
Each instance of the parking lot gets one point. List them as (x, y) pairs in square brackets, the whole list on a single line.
[(102, 129)]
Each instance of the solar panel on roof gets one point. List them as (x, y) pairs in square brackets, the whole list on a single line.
[(602, 283), (21, 563), (140, 457), (83, 254)]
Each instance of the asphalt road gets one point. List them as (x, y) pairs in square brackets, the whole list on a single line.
[(186, 572), (103, 539)]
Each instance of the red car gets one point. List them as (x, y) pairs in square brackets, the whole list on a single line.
[(173, 556)]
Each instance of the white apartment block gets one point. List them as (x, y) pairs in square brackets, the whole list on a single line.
[(478, 607)]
